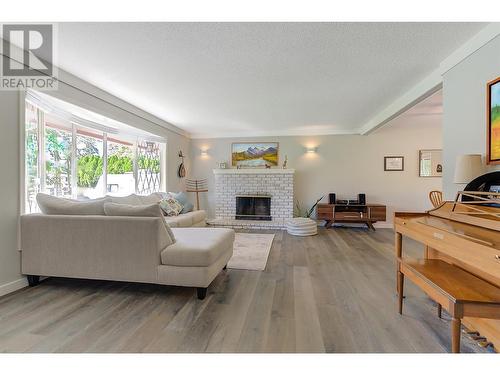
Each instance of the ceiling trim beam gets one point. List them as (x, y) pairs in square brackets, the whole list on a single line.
[(483, 37), (433, 82)]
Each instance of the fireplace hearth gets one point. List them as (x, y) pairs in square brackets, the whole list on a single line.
[(253, 207)]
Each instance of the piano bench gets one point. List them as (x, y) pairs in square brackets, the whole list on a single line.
[(457, 291)]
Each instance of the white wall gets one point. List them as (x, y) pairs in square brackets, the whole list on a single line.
[(77, 93), (9, 192), (464, 121), (176, 142), (347, 165)]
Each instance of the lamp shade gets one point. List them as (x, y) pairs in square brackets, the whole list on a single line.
[(467, 168)]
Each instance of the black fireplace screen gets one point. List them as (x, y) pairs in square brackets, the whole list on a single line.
[(253, 208)]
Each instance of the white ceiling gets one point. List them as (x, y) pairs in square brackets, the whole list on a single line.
[(251, 79)]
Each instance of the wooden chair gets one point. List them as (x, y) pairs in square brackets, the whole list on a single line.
[(436, 198)]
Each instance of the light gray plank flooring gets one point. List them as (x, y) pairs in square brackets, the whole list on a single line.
[(334, 292)]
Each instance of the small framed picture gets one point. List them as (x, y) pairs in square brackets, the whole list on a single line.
[(394, 163)]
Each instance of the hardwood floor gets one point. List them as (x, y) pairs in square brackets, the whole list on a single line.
[(334, 292)]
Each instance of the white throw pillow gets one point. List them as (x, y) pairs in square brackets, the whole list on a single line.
[(132, 199), (50, 205), (151, 198), (149, 210), (137, 200), (117, 209), (171, 206)]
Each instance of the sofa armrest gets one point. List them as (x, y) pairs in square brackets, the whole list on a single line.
[(94, 247)]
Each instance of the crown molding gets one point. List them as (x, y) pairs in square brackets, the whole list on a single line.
[(284, 133)]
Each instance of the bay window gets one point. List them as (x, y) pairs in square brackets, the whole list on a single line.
[(148, 167), (120, 167), (89, 163), (31, 157), (69, 156), (57, 156)]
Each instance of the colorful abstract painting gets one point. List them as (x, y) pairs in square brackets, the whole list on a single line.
[(254, 155), (494, 121)]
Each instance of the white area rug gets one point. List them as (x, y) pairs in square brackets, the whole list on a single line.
[(251, 251)]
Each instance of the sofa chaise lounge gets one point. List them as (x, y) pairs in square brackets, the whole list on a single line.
[(129, 243)]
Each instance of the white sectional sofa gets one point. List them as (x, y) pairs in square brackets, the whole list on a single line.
[(194, 218), (132, 242)]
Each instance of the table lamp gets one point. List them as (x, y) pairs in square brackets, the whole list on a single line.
[(467, 168)]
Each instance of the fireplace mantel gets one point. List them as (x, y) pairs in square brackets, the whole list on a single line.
[(254, 171)]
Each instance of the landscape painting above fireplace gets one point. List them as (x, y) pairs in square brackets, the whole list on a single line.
[(254, 155)]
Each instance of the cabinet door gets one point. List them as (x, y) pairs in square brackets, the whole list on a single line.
[(325, 212), (377, 213)]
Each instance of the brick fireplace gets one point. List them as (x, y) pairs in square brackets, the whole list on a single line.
[(277, 184)]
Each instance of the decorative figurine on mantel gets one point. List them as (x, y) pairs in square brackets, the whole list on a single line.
[(285, 162)]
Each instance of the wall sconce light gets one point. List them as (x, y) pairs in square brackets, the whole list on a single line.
[(311, 150), (204, 153)]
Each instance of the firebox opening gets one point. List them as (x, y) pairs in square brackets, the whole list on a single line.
[(253, 207)]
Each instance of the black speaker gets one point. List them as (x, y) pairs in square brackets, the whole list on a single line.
[(362, 198), (331, 198)]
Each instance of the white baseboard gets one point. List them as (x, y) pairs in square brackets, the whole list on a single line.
[(13, 286)]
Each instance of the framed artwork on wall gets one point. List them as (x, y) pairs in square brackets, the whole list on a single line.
[(430, 163), (394, 163), (254, 155), (493, 121)]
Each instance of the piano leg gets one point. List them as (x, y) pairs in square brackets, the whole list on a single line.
[(398, 246), (455, 335), (401, 279)]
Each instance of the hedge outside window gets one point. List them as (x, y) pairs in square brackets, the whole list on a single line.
[(121, 178), (89, 165)]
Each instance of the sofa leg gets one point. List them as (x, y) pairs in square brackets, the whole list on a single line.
[(201, 292), (225, 267), (33, 280)]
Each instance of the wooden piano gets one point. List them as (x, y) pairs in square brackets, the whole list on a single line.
[(460, 269)]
